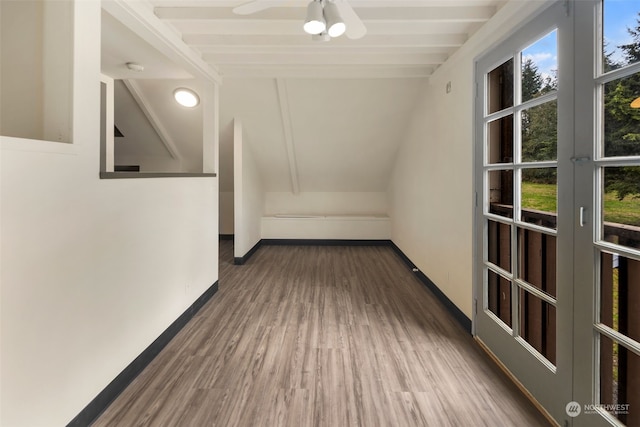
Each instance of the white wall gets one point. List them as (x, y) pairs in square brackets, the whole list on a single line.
[(226, 212), (431, 190), (92, 271), (21, 100), (35, 70), (326, 203), (327, 227), (248, 194)]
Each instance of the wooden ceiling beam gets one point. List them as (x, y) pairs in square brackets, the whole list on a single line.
[(396, 40), (325, 58), (424, 14)]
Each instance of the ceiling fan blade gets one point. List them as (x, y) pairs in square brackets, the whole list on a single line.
[(355, 26), (256, 6)]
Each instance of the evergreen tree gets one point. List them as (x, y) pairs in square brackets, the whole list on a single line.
[(539, 124), (622, 123), (531, 80)]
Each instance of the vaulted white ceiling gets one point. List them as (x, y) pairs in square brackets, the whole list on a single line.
[(321, 116)]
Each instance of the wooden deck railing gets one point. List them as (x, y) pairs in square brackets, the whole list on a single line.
[(620, 310), (620, 299)]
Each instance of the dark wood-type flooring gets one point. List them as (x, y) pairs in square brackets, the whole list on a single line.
[(321, 336)]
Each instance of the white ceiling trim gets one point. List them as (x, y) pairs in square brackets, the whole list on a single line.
[(322, 49), (275, 27), (326, 59), (283, 97), (415, 13), (326, 72), (201, 41), (357, 4), (139, 17), (153, 118)]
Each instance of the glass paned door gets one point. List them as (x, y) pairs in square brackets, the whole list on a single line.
[(608, 241), (524, 279), (558, 221)]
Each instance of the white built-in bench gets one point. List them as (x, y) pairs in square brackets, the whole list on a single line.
[(344, 227)]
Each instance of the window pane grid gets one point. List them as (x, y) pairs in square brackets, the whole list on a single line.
[(543, 99), (619, 122), (548, 97), (536, 268), (622, 340), (499, 114), (498, 298), (537, 324), (620, 250), (499, 83), (618, 161), (618, 386), (533, 227), (616, 74), (535, 291), (618, 205), (517, 93), (537, 165), (619, 296)]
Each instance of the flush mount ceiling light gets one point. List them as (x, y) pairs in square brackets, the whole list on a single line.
[(186, 97), (134, 66), (315, 23), (322, 37)]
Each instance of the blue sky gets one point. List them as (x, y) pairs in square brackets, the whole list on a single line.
[(544, 53), (618, 16)]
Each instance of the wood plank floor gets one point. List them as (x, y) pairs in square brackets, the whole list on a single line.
[(321, 336)]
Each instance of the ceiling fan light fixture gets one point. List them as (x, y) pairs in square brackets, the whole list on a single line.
[(335, 24), (322, 37), (315, 23), (186, 97)]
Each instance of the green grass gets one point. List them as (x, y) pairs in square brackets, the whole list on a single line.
[(625, 211), (543, 197)]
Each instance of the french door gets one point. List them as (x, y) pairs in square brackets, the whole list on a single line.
[(557, 221), (524, 275), (607, 239)]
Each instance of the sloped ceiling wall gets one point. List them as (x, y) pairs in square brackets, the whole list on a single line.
[(140, 139), (344, 132), (255, 103)]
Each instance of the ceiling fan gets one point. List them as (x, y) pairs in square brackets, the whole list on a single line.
[(333, 9)]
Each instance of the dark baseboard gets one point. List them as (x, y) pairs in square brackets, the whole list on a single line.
[(226, 236), (462, 318), (241, 260), (325, 242), (102, 401)]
